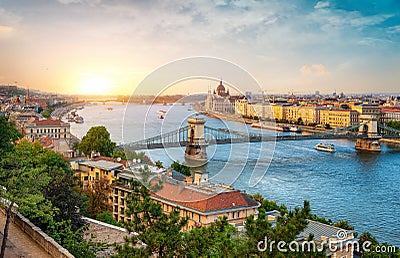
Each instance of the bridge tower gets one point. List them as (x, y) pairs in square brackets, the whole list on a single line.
[(196, 146), (368, 138)]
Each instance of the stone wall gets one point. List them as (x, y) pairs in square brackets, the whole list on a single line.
[(41, 238)]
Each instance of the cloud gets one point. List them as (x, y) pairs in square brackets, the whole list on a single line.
[(315, 69), (394, 29), (321, 4), (69, 1), (89, 2), (4, 28)]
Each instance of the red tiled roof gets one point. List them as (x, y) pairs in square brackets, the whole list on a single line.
[(45, 141), (123, 162), (390, 109), (47, 122), (203, 202)]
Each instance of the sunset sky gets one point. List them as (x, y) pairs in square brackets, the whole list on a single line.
[(78, 46)]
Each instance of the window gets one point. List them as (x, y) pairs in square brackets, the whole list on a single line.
[(233, 214), (85, 178), (97, 175)]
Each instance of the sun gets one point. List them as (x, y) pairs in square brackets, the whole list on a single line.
[(96, 85)]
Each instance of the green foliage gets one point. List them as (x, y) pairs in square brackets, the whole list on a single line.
[(107, 217), (98, 194), (217, 240), (74, 241), (8, 135), (258, 197), (344, 224), (47, 112), (181, 168), (119, 154), (394, 124), (268, 205), (376, 248), (97, 139), (24, 177), (131, 155), (40, 182), (161, 232), (159, 164), (288, 226)]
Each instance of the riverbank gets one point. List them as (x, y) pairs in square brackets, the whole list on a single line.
[(390, 141), (240, 119)]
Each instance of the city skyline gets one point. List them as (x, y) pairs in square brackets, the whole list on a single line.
[(93, 46)]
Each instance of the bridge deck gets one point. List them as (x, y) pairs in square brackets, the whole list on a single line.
[(179, 137)]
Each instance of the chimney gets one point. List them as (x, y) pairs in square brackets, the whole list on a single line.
[(189, 179)]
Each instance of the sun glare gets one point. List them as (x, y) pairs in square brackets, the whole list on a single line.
[(96, 85)]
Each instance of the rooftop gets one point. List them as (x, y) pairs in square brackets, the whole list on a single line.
[(102, 164), (48, 122), (199, 200)]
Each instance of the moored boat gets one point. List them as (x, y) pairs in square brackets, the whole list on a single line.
[(325, 147), (295, 129), (78, 119), (161, 112)]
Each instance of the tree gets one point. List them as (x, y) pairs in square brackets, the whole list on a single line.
[(258, 197), (107, 217), (119, 154), (287, 227), (219, 239), (344, 224), (97, 139), (376, 248), (47, 112), (159, 164), (99, 194), (22, 186), (159, 231), (181, 168), (8, 135)]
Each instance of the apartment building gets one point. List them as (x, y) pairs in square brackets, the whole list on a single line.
[(52, 128), (390, 114), (338, 117), (202, 202), (87, 171)]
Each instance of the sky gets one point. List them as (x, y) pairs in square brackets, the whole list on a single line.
[(109, 47)]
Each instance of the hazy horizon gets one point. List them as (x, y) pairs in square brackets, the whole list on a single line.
[(86, 46)]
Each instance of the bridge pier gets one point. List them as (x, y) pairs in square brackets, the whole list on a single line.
[(196, 146), (368, 138)]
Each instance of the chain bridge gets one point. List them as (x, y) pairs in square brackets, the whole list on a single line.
[(197, 134)]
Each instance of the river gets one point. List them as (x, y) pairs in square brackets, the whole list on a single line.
[(362, 188)]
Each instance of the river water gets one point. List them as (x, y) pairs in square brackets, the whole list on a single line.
[(362, 188)]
